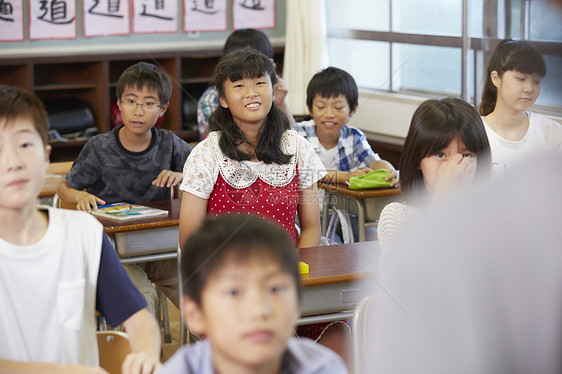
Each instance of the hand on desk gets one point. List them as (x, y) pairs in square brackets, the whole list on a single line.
[(167, 178), (87, 201)]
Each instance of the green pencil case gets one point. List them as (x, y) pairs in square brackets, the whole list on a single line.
[(374, 179)]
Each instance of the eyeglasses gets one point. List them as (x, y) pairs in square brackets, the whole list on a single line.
[(148, 106)]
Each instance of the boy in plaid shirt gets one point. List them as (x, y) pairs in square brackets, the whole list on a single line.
[(332, 98)]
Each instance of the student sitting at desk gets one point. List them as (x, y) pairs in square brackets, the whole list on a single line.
[(332, 98), (135, 162), (241, 286), (56, 266), (445, 148)]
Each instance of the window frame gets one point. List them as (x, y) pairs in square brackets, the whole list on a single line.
[(482, 47)]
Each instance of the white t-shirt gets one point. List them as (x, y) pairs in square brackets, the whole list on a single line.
[(48, 292), (329, 157), (543, 135)]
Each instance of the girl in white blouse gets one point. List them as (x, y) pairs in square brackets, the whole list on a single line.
[(445, 148)]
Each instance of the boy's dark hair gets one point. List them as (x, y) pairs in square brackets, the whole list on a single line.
[(434, 125), (249, 38), (509, 55), (17, 103), (235, 65), (234, 237), (144, 74), (332, 82)]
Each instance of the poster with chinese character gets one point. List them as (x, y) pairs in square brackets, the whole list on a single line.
[(11, 20), (103, 18), (155, 16), (255, 14), (52, 19), (204, 15)]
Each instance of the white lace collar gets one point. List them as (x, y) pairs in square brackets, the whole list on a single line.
[(240, 175)]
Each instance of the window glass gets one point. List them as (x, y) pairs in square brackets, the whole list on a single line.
[(546, 21), (436, 17), (358, 14), (427, 68), (476, 18), (367, 61)]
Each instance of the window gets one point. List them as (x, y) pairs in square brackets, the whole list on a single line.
[(387, 46)]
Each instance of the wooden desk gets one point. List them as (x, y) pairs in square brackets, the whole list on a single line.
[(51, 185), (368, 203), (339, 277), (146, 239)]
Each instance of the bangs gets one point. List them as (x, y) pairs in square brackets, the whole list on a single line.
[(253, 69), (242, 63), (434, 140), (527, 61)]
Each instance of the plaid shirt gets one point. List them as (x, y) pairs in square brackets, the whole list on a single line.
[(208, 102), (353, 148)]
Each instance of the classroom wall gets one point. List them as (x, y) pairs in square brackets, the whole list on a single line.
[(133, 42)]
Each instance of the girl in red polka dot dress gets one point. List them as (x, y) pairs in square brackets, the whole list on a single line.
[(252, 162)]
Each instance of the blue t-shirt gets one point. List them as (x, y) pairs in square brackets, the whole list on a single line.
[(109, 171), (117, 298)]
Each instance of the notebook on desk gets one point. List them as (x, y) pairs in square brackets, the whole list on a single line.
[(123, 211)]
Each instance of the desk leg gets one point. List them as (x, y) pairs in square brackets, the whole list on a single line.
[(325, 210), (361, 218)]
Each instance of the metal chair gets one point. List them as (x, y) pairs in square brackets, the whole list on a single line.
[(360, 333)]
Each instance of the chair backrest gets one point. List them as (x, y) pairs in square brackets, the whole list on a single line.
[(113, 347), (360, 333)]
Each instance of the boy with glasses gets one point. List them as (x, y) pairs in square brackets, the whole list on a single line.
[(135, 162)]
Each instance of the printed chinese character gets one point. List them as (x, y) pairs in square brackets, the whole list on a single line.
[(252, 4), (54, 11), (6, 11), (208, 7), (111, 8), (158, 5)]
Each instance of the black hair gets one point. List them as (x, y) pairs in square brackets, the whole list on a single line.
[(434, 125), (234, 237), (18, 103), (509, 55), (235, 65), (144, 74), (332, 82), (249, 38)]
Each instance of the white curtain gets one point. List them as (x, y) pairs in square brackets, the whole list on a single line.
[(305, 49)]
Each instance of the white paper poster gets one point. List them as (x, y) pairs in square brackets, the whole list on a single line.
[(108, 17), (255, 14), (11, 20), (52, 19), (155, 16), (204, 15)]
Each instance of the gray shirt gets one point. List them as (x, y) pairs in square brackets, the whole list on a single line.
[(302, 356), (106, 169)]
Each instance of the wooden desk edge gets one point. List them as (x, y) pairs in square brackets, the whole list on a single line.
[(362, 194), (139, 226), (332, 279)]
